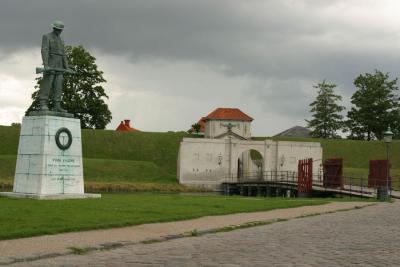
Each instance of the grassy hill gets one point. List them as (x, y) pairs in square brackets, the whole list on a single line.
[(112, 157), (159, 148)]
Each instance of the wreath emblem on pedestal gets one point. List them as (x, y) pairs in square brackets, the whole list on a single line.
[(63, 138)]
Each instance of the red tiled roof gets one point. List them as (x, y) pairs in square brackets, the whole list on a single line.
[(228, 114), (125, 126), (202, 123)]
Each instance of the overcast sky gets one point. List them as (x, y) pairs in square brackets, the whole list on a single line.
[(169, 62)]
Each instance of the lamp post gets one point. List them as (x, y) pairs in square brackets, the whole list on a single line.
[(387, 137)]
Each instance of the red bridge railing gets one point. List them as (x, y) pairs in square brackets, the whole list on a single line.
[(378, 174), (304, 176), (333, 173)]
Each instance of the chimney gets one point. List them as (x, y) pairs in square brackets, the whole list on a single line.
[(127, 123)]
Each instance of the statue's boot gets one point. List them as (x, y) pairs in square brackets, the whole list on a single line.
[(58, 107), (43, 105)]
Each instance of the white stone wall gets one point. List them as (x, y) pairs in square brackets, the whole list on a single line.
[(288, 154), (202, 162), (198, 160), (214, 128)]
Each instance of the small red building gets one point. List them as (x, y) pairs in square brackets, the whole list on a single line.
[(125, 126)]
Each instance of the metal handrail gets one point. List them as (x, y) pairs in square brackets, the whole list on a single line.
[(361, 184)]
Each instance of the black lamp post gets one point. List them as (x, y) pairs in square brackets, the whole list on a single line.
[(387, 137)]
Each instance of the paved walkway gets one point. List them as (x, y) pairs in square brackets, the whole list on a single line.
[(19, 249)]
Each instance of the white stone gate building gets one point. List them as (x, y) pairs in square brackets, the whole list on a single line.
[(227, 152)]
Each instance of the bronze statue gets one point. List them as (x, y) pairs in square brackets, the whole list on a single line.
[(55, 65)]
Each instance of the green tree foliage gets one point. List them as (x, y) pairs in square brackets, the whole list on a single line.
[(375, 106), (395, 126), (83, 94), (326, 118), (196, 127)]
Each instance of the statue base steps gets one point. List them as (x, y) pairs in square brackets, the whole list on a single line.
[(49, 197)]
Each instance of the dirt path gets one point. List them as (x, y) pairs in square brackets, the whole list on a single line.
[(54, 245)]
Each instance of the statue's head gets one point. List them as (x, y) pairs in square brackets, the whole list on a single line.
[(58, 26)]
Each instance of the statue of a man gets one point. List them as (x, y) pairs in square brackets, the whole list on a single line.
[(55, 64)]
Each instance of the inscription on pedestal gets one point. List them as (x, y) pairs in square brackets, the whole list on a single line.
[(63, 165), (63, 173)]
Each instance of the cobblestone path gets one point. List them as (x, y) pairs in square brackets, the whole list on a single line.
[(363, 237)]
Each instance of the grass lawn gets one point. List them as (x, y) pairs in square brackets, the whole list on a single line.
[(105, 170), (7, 167), (125, 171), (23, 217)]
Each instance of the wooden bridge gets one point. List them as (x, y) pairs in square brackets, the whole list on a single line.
[(305, 183), (279, 188)]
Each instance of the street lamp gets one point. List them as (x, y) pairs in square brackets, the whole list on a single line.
[(387, 138)]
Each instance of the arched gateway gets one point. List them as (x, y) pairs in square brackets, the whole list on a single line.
[(250, 166)]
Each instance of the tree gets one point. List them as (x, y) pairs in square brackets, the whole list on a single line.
[(83, 94), (375, 106), (326, 118), (395, 126), (196, 127)]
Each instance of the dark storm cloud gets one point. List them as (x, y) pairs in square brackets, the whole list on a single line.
[(283, 39), (295, 44)]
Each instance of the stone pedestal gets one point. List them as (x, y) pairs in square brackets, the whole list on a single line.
[(49, 163)]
